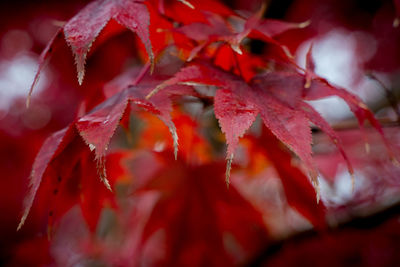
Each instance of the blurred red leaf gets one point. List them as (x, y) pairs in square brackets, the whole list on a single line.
[(201, 221), (51, 147), (204, 223), (298, 190), (65, 174)]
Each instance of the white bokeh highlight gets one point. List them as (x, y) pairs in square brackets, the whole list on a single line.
[(339, 55), (16, 77)]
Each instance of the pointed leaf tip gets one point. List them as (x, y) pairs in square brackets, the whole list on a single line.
[(304, 24), (151, 63), (80, 66), (228, 169), (101, 169), (107, 184), (42, 160), (236, 48), (318, 192), (81, 75), (396, 22), (23, 219), (367, 148), (315, 183), (82, 30), (42, 62), (174, 134), (186, 3), (92, 147), (28, 102), (35, 81)]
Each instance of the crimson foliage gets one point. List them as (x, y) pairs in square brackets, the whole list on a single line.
[(137, 176)]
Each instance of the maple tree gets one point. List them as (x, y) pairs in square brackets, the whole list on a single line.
[(186, 133)]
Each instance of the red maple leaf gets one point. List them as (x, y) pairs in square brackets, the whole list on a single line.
[(81, 30), (298, 190), (203, 222), (64, 174), (278, 98)]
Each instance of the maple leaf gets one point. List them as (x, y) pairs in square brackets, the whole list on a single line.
[(64, 173), (316, 87), (131, 88), (298, 190), (202, 221), (81, 30), (217, 29), (97, 128), (84, 27), (278, 98), (54, 42), (187, 12), (249, 101), (376, 181), (49, 149)]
